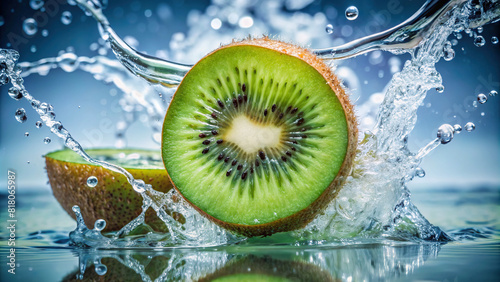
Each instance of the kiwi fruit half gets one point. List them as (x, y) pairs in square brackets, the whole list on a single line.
[(259, 136), (112, 199)]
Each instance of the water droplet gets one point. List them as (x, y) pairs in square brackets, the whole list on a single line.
[(216, 23), (15, 94), (92, 181), (480, 29), (38, 124), (494, 40), (45, 33), (28, 162), (440, 89), (21, 115), (101, 269), (139, 186), (329, 28), (420, 172), (30, 26), (481, 98), (351, 13), (99, 224), (470, 126), (479, 41), (458, 36), (483, 114), (47, 140), (33, 49), (493, 93), (66, 17), (26, 134), (445, 133), (457, 128), (474, 104), (448, 54), (36, 4)]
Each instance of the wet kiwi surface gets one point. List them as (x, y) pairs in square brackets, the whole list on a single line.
[(259, 136), (112, 199)]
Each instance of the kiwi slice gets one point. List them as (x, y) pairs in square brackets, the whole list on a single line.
[(112, 199), (259, 136)]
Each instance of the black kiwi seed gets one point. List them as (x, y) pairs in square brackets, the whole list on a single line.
[(215, 132), (280, 116), (262, 155), (243, 87), (221, 105), (234, 162), (288, 153), (240, 99), (220, 157), (239, 167), (245, 97), (293, 149), (204, 151), (288, 109), (273, 108), (220, 141), (235, 102), (202, 135), (300, 121), (257, 163), (283, 158), (228, 173), (226, 159), (206, 142), (303, 129), (244, 175), (265, 112), (304, 136), (251, 170), (294, 111), (214, 115)]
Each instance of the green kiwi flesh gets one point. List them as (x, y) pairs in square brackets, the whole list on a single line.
[(259, 136)]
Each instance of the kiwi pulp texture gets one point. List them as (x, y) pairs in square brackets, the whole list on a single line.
[(259, 136), (113, 199)]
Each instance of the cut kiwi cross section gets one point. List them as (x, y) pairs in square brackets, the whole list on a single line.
[(112, 199), (259, 136)]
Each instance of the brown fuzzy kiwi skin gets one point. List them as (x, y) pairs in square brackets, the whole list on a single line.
[(113, 199), (303, 217)]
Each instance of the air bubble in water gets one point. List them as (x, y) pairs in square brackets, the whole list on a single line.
[(493, 93), (4, 79), (445, 133), (420, 172), (92, 181), (457, 128), (38, 124), (479, 41), (21, 115), (99, 224), (47, 140), (26, 134), (36, 4), (45, 33), (481, 98), (33, 49), (329, 28), (440, 89), (494, 40), (351, 13), (470, 126), (480, 29), (66, 17), (2, 20), (15, 94), (139, 185), (448, 54), (101, 269), (30, 26)]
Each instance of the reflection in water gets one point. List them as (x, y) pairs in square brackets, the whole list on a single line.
[(372, 261)]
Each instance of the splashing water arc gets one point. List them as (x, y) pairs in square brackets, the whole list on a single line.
[(374, 201)]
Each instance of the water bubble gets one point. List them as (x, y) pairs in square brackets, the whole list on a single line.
[(21, 115), (245, 22), (420, 172), (457, 128), (445, 133), (33, 49), (483, 114), (15, 94), (66, 17), (474, 104), (480, 29), (440, 89), (38, 124), (351, 13), (329, 28), (36, 4), (28, 162), (479, 41), (139, 186), (101, 269), (494, 40), (30, 27), (2, 20), (448, 54), (470, 126), (458, 36), (47, 140), (99, 224), (45, 33), (26, 134), (92, 181), (493, 93), (4, 79), (216, 23), (481, 98)]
